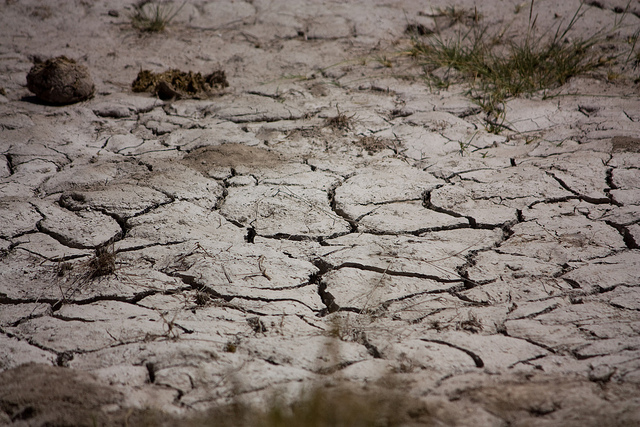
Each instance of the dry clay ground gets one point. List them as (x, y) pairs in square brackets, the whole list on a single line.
[(328, 220)]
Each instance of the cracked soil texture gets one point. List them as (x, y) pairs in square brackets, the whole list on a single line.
[(328, 219)]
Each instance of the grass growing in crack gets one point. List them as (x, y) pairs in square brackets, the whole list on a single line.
[(201, 298), (70, 278), (340, 121), (464, 146), (458, 14), (471, 324), (372, 144), (103, 263), (383, 60), (151, 17), (170, 329), (499, 68)]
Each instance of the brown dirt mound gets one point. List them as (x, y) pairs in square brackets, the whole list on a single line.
[(53, 396), (60, 81), (180, 84)]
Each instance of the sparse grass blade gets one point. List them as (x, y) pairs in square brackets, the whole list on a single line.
[(497, 70), (152, 17)]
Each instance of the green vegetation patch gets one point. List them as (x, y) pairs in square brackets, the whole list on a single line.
[(151, 17), (498, 67)]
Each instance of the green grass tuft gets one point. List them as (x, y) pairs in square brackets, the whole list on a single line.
[(152, 17), (498, 69)]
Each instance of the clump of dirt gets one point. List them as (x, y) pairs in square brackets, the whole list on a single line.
[(176, 84), (230, 155), (60, 81), (53, 396)]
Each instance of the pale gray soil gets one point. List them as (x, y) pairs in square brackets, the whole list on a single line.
[(327, 218)]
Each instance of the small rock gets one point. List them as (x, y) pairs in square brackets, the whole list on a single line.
[(601, 373), (60, 81)]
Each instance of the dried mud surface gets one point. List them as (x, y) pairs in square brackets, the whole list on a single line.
[(327, 220)]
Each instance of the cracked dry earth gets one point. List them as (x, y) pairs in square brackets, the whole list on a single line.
[(327, 220)]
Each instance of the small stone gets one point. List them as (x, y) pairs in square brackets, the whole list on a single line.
[(60, 81), (601, 373)]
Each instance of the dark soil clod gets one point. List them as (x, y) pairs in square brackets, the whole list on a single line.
[(175, 84), (60, 81)]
